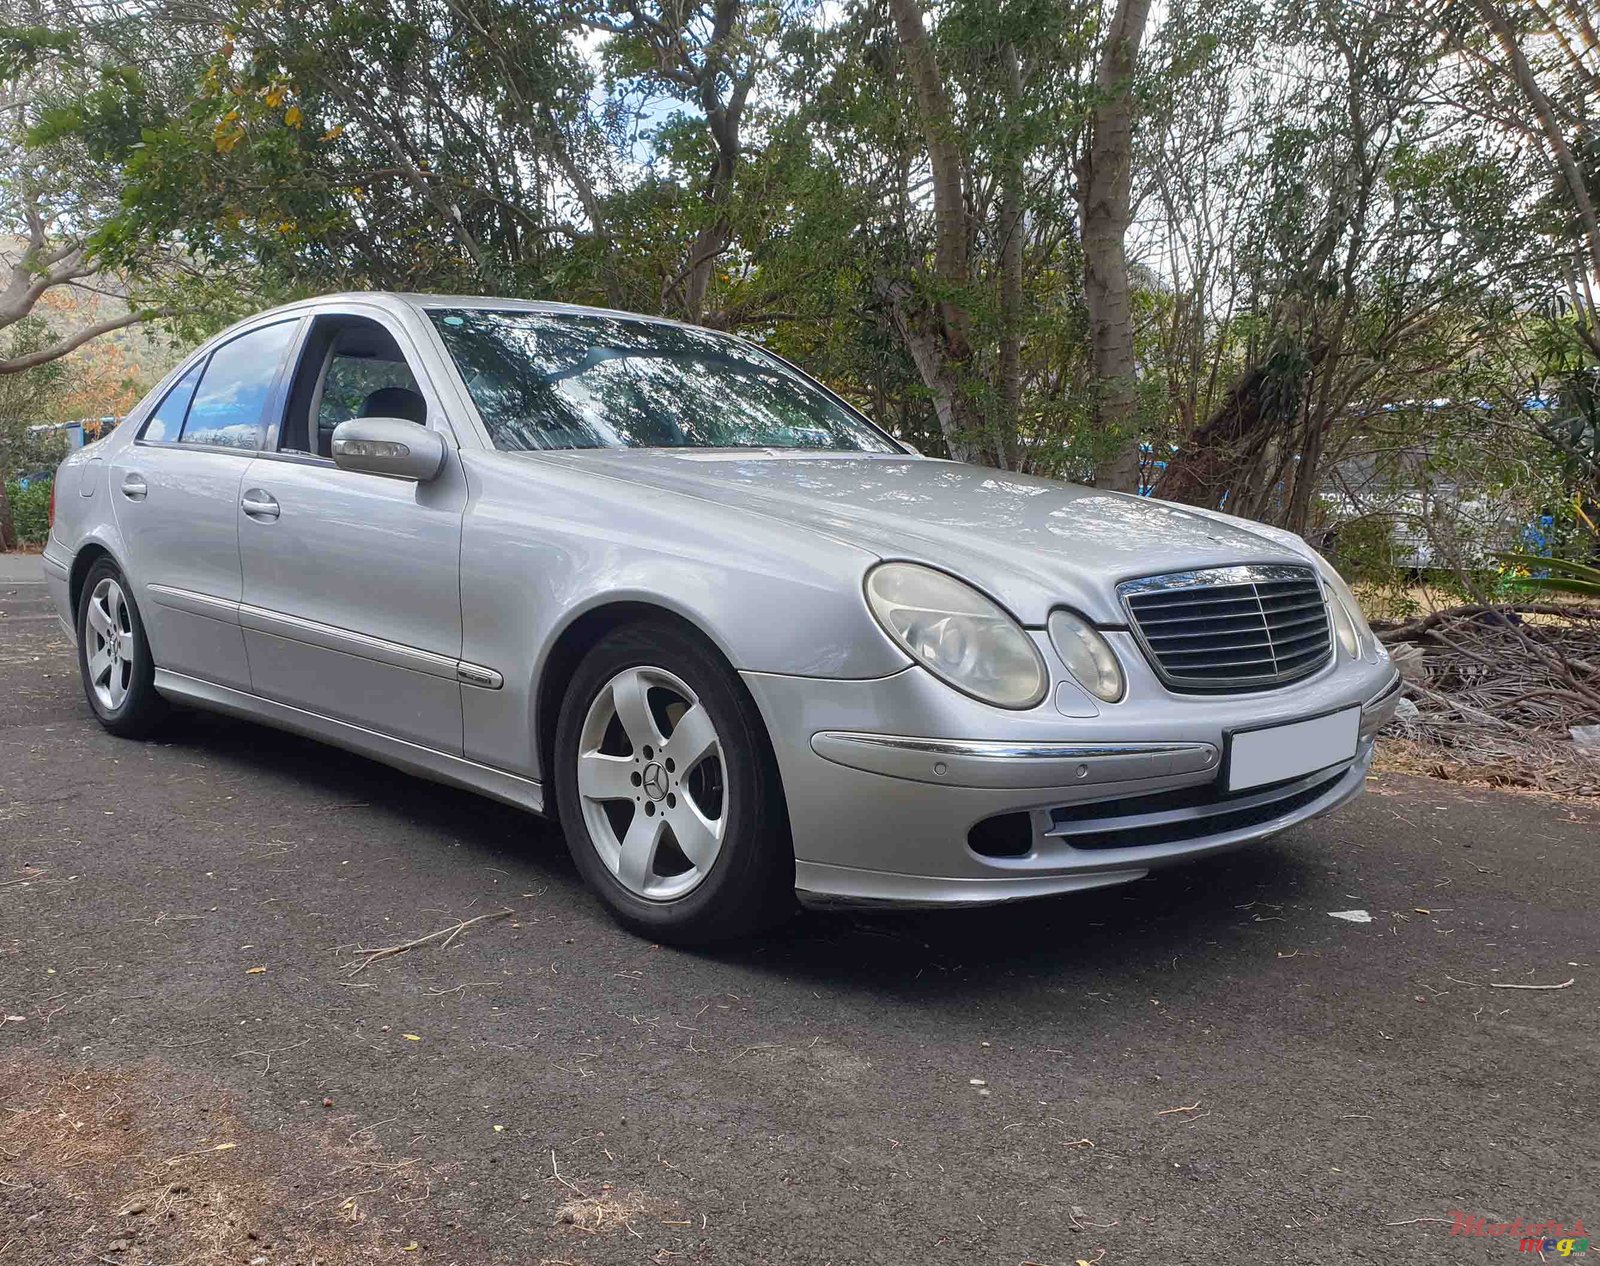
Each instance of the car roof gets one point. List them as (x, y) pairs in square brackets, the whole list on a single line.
[(395, 299)]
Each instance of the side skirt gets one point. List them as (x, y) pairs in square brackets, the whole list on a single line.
[(458, 771)]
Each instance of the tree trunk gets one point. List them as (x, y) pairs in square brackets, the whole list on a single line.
[(8, 525), (1560, 151), (1105, 188), (1008, 370), (694, 279), (950, 258), (939, 336), (1239, 452), (955, 422)]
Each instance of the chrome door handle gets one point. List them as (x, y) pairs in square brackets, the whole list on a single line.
[(259, 505), (134, 487)]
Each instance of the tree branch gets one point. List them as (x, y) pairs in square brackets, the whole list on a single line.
[(44, 355)]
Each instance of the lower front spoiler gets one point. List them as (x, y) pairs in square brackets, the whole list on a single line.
[(824, 885)]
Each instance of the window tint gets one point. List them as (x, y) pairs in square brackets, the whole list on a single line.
[(230, 407), (167, 421)]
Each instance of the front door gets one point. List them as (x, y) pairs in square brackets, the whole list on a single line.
[(351, 595), (175, 494)]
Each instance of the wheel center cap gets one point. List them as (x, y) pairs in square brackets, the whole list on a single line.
[(655, 782)]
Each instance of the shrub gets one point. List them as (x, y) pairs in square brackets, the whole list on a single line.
[(30, 510)]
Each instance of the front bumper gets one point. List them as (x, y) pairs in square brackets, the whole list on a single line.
[(886, 779)]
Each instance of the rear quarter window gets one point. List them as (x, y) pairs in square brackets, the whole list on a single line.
[(166, 423)]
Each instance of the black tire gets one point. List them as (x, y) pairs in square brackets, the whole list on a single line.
[(750, 885), (139, 708)]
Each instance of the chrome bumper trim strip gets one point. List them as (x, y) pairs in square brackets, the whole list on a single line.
[(1377, 711), (1016, 765), (999, 749)]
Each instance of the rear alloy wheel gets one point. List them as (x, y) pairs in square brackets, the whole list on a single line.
[(114, 656), (668, 791), (110, 646)]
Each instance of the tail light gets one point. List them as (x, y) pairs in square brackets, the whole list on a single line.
[(52, 503)]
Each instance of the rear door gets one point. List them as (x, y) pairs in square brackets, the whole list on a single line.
[(352, 597), (175, 494)]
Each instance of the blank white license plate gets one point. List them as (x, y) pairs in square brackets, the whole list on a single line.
[(1281, 752)]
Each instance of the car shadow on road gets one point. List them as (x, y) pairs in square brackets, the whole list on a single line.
[(1205, 905), (1193, 912), (324, 774)]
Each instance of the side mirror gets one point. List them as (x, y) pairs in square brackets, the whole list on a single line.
[(388, 446)]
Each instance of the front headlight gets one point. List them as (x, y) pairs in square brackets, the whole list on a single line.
[(1349, 625), (1087, 655), (957, 634)]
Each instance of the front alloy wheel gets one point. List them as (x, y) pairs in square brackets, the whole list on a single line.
[(650, 777), (667, 788)]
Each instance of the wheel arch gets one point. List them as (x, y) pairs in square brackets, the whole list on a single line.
[(583, 632), (90, 553)]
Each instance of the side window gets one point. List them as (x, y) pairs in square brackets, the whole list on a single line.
[(167, 420), (230, 407), (351, 380)]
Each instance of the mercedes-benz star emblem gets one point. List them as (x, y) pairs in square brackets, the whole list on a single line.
[(655, 782)]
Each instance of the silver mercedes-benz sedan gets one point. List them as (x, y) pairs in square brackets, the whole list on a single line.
[(745, 645)]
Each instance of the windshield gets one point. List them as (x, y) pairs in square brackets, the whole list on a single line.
[(546, 380)]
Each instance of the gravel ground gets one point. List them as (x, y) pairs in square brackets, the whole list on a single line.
[(1203, 1067)]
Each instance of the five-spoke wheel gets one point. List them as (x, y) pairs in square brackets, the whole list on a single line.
[(113, 655), (110, 647), (650, 775), (667, 788)]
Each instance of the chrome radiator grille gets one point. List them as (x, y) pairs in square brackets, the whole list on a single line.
[(1230, 628)]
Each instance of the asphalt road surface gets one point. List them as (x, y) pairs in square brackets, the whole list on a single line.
[(1203, 1067)]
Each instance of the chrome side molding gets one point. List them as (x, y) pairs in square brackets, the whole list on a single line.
[(331, 637), (478, 675), (195, 603)]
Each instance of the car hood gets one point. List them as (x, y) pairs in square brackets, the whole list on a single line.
[(1031, 543)]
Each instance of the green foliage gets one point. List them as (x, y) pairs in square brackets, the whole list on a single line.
[(24, 48), (1343, 238), (27, 401), (30, 510), (1560, 575)]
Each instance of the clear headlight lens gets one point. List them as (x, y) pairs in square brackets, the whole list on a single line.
[(1349, 625), (1087, 655), (957, 634)]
